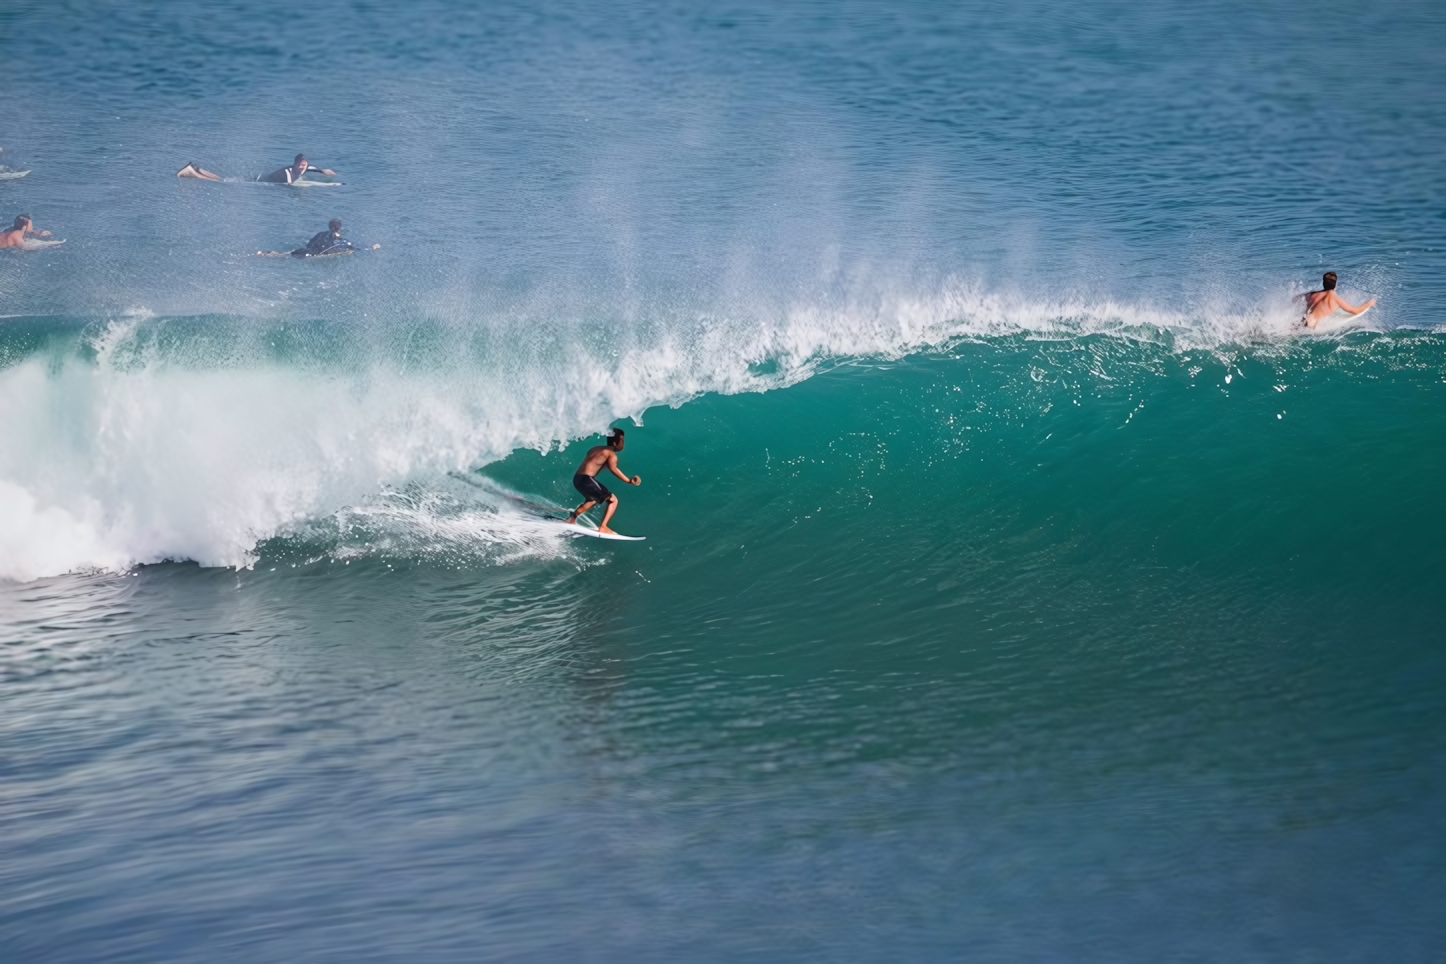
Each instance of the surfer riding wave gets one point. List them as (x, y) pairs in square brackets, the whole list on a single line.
[(593, 491)]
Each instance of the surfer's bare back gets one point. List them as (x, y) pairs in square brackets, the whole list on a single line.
[(14, 236), (585, 481), (1320, 304)]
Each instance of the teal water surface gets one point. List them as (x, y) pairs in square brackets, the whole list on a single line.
[(1021, 582)]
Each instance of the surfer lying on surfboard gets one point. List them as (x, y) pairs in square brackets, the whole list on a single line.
[(329, 241), (1320, 304), (287, 175), (292, 174), (14, 236), (585, 481)]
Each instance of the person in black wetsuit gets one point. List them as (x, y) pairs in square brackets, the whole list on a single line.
[(292, 174), (585, 480), (329, 241)]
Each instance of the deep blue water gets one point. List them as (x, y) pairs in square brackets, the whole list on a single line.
[(1021, 582)]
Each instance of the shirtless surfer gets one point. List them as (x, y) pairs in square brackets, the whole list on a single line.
[(292, 174), (14, 236), (585, 481), (1319, 305)]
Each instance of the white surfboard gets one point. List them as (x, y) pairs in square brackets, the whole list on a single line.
[(33, 244), (9, 175), (582, 530), (301, 183), (1339, 320)]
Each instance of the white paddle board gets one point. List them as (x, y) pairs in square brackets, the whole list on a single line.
[(1338, 320)]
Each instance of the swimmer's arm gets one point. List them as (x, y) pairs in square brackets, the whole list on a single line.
[(613, 467), (38, 234)]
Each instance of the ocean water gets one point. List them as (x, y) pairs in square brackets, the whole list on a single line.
[(1021, 583)]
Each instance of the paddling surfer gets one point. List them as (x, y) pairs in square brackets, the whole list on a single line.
[(14, 236), (329, 241), (585, 481), (292, 174), (1320, 304)]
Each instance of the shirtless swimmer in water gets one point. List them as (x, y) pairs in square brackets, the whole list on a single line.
[(14, 237), (1320, 304), (585, 481)]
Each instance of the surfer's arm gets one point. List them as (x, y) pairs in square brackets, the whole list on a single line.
[(613, 468), (1354, 309), (38, 234)]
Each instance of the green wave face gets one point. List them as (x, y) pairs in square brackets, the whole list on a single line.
[(1018, 483)]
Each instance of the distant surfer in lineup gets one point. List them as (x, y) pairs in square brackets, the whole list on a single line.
[(585, 480), (195, 170), (292, 174), (7, 173), (14, 236), (1321, 304), (325, 242)]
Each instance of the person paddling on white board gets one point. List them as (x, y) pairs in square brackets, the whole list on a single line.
[(292, 174), (1320, 305), (593, 491), (14, 236), (325, 242)]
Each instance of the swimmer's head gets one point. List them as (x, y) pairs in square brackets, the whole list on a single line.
[(615, 439), (21, 221), (335, 225), (1328, 281), (300, 159)]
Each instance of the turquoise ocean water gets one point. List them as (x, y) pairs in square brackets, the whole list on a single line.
[(1021, 583)]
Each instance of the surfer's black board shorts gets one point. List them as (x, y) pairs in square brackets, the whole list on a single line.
[(591, 488)]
